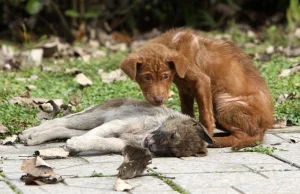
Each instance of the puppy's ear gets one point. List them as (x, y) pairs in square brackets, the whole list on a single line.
[(204, 134), (130, 64), (180, 62)]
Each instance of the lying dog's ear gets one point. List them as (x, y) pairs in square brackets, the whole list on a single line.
[(180, 62), (130, 64), (204, 134)]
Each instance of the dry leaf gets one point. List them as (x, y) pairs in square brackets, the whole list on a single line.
[(36, 55), (283, 97), (73, 70), (32, 180), (280, 123), (3, 129), (295, 140), (136, 159), (26, 94), (67, 109), (52, 153), (270, 50), (36, 167), (49, 109), (38, 172), (9, 140), (171, 93), (292, 52), (83, 80), (121, 185), (116, 75), (30, 87), (287, 72)]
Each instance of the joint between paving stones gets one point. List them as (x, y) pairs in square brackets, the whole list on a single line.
[(285, 161), (237, 190), (168, 181), (10, 185)]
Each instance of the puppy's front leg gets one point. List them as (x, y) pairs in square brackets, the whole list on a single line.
[(94, 143), (186, 102), (204, 100)]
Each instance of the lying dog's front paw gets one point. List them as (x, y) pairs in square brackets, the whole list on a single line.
[(76, 144), (33, 140)]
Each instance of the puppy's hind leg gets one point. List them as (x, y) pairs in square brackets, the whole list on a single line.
[(244, 122), (94, 143)]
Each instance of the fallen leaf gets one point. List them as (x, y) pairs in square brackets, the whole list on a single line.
[(30, 87), (292, 52), (36, 55), (26, 94), (116, 75), (36, 167), (38, 172), (52, 153), (171, 93), (67, 109), (283, 97), (295, 140), (26, 101), (280, 123), (32, 180), (121, 185), (287, 72), (49, 109), (270, 50), (3, 129), (50, 47), (10, 140), (136, 159), (83, 80), (73, 70)]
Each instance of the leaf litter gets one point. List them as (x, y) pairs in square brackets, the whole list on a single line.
[(38, 172)]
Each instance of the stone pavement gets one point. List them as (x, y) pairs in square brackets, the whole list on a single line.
[(221, 172)]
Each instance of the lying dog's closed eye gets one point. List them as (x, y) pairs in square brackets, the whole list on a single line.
[(112, 125), (178, 139)]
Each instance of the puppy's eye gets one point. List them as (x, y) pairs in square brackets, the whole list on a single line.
[(166, 77), (147, 77)]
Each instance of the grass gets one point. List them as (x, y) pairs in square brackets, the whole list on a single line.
[(269, 150), (53, 85)]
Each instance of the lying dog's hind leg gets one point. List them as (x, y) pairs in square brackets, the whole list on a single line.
[(51, 134), (47, 125), (94, 143)]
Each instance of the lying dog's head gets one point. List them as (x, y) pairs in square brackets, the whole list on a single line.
[(177, 137), (153, 67)]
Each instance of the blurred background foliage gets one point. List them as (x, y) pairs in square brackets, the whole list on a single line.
[(22, 20)]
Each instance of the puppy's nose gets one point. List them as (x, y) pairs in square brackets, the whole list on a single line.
[(158, 99)]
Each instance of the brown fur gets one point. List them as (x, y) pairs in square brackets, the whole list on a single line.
[(217, 74)]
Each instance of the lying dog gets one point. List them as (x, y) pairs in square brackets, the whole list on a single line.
[(217, 74), (110, 126)]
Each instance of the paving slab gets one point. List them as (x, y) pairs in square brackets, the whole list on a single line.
[(276, 182), (222, 171), (215, 182), (5, 189)]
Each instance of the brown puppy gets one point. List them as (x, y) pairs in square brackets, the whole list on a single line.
[(217, 74)]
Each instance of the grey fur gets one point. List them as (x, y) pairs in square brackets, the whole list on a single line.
[(110, 126)]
